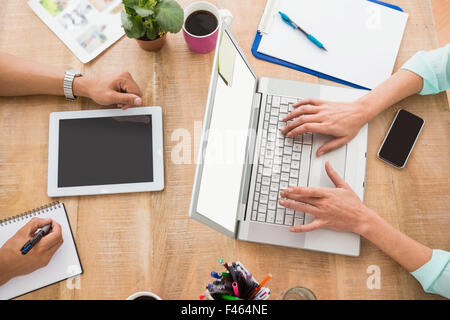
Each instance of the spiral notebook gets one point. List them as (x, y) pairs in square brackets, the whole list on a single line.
[(64, 264)]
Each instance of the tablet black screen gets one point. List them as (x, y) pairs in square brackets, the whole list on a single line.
[(111, 150)]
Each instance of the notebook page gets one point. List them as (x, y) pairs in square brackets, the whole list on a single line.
[(362, 38), (64, 263)]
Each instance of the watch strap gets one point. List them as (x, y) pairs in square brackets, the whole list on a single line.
[(68, 83)]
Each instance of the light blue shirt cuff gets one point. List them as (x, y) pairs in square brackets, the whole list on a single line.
[(434, 68), (432, 270)]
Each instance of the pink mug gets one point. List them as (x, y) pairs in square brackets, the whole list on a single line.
[(206, 43)]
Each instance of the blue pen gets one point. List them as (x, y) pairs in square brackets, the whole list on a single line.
[(38, 235), (215, 275), (310, 37)]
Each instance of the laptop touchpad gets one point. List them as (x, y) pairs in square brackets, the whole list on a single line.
[(319, 177)]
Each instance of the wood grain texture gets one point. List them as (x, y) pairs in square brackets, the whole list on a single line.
[(146, 241), (441, 13)]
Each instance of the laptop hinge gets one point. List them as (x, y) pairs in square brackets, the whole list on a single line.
[(249, 158)]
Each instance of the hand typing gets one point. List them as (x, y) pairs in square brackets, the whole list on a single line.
[(342, 120), (335, 208)]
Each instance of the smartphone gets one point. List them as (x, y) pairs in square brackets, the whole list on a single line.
[(401, 138)]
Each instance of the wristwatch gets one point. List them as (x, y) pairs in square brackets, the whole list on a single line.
[(70, 75)]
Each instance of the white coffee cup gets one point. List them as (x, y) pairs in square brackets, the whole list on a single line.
[(144, 294)]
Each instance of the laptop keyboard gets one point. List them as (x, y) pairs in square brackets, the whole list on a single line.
[(282, 162)]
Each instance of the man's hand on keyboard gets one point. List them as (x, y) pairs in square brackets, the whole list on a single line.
[(339, 119), (335, 208)]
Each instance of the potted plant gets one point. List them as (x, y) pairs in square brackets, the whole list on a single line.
[(148, 21)]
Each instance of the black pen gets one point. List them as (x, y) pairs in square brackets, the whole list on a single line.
[(41, 232), (233, 273)]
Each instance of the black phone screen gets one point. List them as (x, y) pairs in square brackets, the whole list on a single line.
[(401, 138)]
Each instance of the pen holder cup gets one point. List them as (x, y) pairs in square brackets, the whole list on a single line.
[(239, 278), (208, 296)]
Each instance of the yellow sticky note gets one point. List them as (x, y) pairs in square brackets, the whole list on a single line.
[(227, 56)]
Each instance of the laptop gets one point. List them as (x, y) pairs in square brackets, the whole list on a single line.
[(244, 161)]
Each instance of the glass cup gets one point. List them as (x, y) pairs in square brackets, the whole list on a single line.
[(299, 293)]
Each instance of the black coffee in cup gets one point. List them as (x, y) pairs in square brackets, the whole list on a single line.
[(145, 298), (201, 23)]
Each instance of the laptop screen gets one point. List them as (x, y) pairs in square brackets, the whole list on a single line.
[(231, 99)]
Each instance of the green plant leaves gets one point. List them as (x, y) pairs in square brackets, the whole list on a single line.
[(143, 12), (151, 30), (133, 25), (151, 18), (169, 15), (130, 3), (129, 6)]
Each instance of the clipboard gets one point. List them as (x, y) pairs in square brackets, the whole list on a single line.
[(284, 63)]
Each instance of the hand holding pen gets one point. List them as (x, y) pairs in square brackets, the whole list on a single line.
[(37, 257)]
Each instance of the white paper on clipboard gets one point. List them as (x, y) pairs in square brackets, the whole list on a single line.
[(362, 37)]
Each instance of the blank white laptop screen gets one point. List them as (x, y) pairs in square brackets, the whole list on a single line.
[(224, 157)]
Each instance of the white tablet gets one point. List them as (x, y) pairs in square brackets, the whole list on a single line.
[(105, 151)]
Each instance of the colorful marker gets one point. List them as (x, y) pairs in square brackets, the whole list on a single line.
[(261, 284), (235, 289), (215, 275), (227, 297), (262, 294)]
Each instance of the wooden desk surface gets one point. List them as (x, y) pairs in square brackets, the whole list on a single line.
[(146, 241)]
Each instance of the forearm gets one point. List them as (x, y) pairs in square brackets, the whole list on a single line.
[(5, 273), (409, 253), (19, 77), (400, 85)]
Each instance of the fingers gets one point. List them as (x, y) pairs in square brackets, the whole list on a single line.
[(316, 224), (301, 120), (306, 127), (334, 176), (299, 206), (331, 145), (300, 111), (128, 92), (292, 192), (127, 84), (52, 239), (311, 101), (125, 99), (300, 198), (34, 224), (49, 244)]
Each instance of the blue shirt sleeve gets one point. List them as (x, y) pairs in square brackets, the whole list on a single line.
[(434, 68), (434, 276)]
